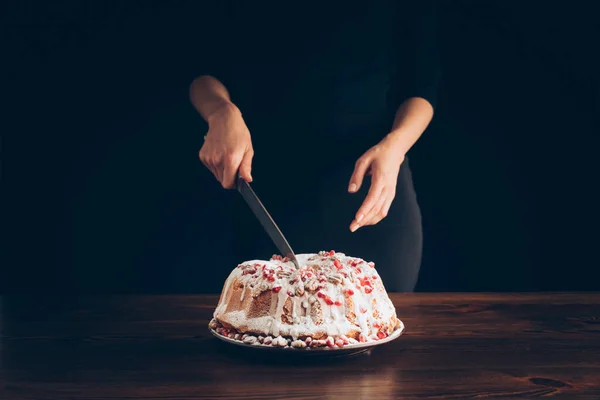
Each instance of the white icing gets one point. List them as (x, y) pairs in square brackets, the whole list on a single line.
[(318, 280)]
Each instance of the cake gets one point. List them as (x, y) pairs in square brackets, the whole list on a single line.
[(332, 300)]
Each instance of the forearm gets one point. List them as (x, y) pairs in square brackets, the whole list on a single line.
[(209, 95), (411, 120)]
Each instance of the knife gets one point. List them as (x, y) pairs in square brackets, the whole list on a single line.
[(266, 221)]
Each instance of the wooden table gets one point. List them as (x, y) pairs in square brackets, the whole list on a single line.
[(457, 346)]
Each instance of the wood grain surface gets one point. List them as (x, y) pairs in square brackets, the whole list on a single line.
[(456, 346)]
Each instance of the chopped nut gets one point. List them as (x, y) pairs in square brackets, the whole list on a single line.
[(298, 344), (280, 342), (250, 339), (312, 284)]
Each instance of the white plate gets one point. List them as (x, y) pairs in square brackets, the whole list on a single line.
[(324, 350)]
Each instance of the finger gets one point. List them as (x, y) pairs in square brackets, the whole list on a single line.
[(383, 212), (214, 171), (386, 207), (246, 166), (376, 213), (230, 170), (218, 165), (358, 175), (207, 163), (368, 203)]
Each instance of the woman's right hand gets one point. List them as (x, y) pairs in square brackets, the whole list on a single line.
[(227, 148)]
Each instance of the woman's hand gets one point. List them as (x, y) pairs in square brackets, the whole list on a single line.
[(382, 162), (227, 147)]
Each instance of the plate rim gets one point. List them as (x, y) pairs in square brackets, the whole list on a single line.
[(349, 347)]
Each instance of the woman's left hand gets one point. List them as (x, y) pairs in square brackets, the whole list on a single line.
[(382, 162)]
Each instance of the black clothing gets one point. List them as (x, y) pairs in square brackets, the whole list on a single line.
[(318, 84), (342, 64)]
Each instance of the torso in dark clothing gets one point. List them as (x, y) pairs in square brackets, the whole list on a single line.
[(329, 70)]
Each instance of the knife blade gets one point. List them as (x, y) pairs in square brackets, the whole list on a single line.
[(265, 219)]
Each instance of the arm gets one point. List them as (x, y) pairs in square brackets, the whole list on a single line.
[(417, 74), (209, 96), (412, 118), (227, 147), (414, 95)]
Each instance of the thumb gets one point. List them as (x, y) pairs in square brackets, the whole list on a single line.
[(358, 175), (246, 166)]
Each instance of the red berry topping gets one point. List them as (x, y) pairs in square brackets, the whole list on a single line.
[(321, 295), (290, 293), (381, 335), (337, 264), (376, 325), (364, 281), (350, 292), (371, 264), (362, 338), (271, 278), (276, 257), (368, 289), (374, 277), (328, 301), (276, 289), (330, 342), (338, 303)]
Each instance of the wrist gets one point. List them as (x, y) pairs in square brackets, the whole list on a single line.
[(398, 140), (223, 110)]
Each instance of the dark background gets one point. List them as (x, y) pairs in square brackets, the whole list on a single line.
[(102, 189)]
